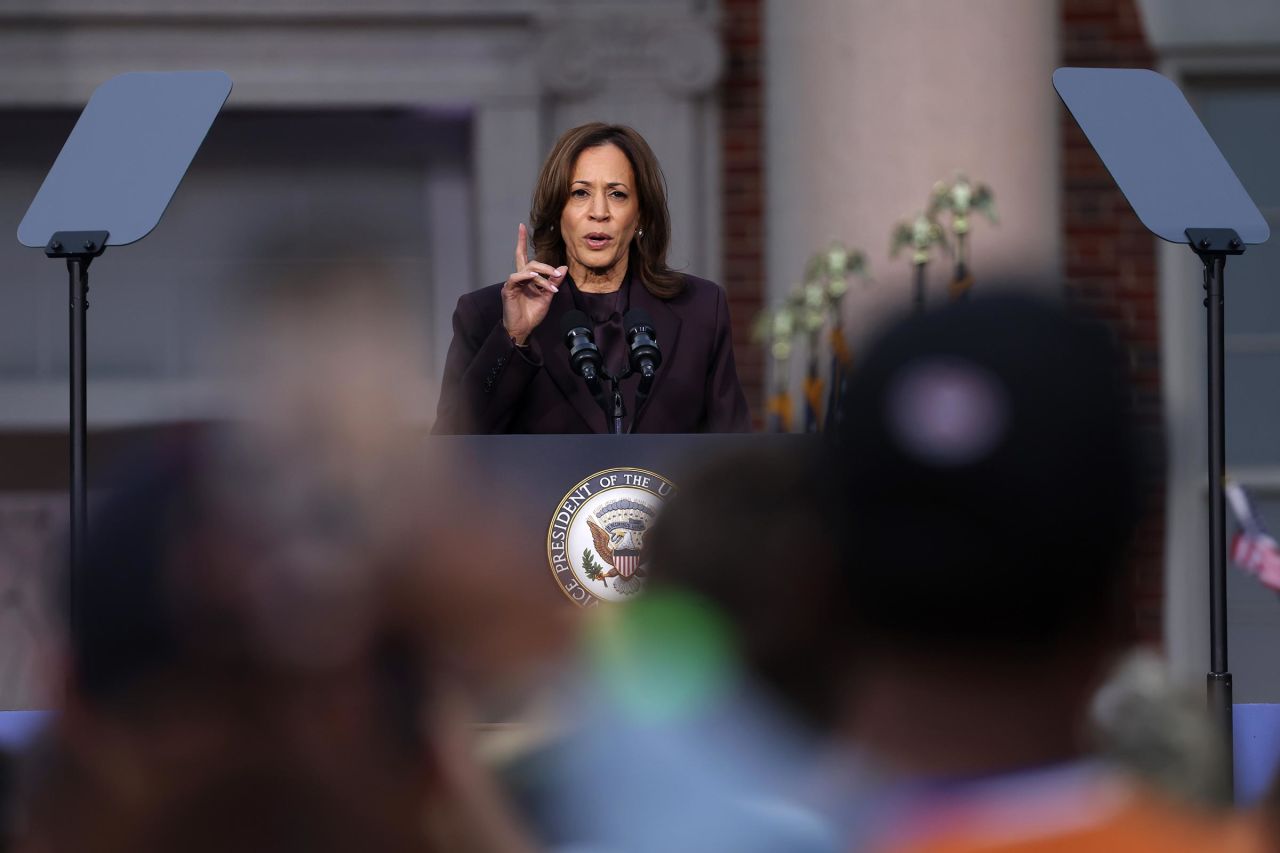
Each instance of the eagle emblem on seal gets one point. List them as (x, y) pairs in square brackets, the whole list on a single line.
[(617, 534)]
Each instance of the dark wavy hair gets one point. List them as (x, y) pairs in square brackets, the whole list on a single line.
[(648, 253)]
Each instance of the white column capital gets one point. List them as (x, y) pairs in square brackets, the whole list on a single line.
[(682, 55)]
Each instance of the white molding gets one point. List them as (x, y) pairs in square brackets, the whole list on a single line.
[(1253, 343), (276, 64), (681, 54), (1237, 63), (112, 403), (118, 403), (1175, 28), (254, 10), (1261, 480)]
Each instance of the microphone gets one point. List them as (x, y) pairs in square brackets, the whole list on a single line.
[(646, 358), (584, 355)]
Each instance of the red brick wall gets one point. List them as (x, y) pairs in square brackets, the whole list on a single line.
[(742, 129), (1110, 258)]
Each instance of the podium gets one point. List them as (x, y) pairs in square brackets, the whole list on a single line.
[(557, 487)]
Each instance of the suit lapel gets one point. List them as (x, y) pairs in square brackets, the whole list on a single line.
[(666, 323), (555, 359)]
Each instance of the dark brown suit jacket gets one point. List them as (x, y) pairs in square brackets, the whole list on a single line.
[(491, 386)]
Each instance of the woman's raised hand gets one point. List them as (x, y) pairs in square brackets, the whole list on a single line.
[(526, 295)]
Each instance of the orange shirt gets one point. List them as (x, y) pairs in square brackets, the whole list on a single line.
[(1080, 808)]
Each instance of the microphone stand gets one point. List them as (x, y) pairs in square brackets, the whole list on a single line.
[(615, 409)]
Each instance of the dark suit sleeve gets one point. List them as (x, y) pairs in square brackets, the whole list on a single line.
[(726, 404), (485, 375)]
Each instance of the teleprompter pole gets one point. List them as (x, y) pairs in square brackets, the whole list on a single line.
[(79, 248), (78, 270), (1213, 245)]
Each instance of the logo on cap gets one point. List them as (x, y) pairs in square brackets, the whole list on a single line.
[(947, 411)]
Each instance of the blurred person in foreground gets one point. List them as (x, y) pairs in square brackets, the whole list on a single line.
[(326, 359), (1157, 728), (600, 231), (1266, 815), (992, 481), (8, 799), (274, 646), (705, 716), (252, 669)]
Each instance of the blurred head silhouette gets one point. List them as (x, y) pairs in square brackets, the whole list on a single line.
[(246, 625), (990, 485), (990, 475), (746, 534), (232, 625)]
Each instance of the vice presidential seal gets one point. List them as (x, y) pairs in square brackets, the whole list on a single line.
[(595, 545)]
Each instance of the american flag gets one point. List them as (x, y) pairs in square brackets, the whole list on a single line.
[(1252, 548)]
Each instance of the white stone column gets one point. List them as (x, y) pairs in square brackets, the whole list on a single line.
[(870, 102), (506, 155)]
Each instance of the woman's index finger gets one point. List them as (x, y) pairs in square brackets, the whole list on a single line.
[(522, 251)]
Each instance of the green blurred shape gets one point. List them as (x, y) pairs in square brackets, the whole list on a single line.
[(665, 656)]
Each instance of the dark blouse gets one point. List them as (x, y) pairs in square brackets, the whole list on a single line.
[(606, 311)]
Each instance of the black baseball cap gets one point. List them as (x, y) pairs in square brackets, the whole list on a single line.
[(990, 478)]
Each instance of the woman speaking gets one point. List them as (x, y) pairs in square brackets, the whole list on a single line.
[(600, 234)]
